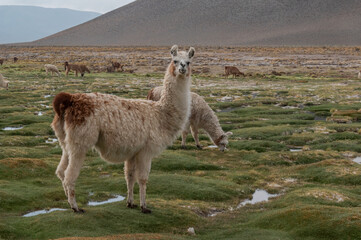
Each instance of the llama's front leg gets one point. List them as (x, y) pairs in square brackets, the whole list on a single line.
[(129, 172), (142, 172), (76, 160), (194, 131)]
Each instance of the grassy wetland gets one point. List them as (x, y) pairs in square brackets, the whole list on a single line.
[(296, 134)]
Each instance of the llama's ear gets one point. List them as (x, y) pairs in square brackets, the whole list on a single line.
[(174, 51), (229, 133), (191, 52)]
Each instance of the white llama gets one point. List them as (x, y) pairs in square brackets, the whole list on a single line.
[(4, 83), (202, 117), (359, 74), (121, 130), (51, 68)]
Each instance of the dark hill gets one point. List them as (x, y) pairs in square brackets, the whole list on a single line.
[(220, 22)]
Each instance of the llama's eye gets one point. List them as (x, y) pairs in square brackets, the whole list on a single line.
[(175, 62)]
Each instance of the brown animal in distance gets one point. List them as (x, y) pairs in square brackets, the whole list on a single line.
[(230, 70), (1, 61), (76, 68), (117, 65), (15, 59)]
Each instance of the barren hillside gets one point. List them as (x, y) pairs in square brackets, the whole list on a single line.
[(220, 22)]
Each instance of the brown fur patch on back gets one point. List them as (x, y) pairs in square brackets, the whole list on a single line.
[(61, 102), (150, 95), (82, 106)]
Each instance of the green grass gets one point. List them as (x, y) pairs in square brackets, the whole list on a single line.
[(186, 185)]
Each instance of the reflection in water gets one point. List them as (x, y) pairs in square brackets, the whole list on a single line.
[(258, 196)]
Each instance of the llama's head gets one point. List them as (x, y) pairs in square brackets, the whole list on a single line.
[(181, 61), (222, 141)]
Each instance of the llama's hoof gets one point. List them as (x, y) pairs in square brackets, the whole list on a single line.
[(200, 147), (146, 210), (129, 205), (80, 210)]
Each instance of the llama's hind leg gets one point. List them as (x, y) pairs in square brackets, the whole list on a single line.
[(129, 172), (76, 159), (184, 138), (60, 170), (143, 164), (194, 131)]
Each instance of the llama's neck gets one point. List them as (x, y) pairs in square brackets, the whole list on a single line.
[(175, 100), (213, 128)]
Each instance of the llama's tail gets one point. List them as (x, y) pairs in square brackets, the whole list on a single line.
[(61, 102)]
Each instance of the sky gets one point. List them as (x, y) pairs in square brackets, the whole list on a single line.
[(100, 6)]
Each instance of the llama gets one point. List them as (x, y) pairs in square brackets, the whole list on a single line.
[(359, 74), (110, 69), (230, 70), (3, 82), (51, 68), (202, 116), (1, 61), (117, 65), (76, 68), (121, 130), (15, 59)]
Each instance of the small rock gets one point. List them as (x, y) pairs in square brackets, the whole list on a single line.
[(191, 231)]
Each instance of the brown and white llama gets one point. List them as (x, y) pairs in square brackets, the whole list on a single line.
[(231, 70), (130, 130), (76, 68), (202, 117)]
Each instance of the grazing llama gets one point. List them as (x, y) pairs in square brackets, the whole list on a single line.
[(121, 130), (202, 117), (51, 68), (15, 59), (117, 65), (3, 82), (76, 68), (230, 70)]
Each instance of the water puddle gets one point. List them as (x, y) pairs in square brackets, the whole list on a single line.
[(117, 198), (212, 146), (357, 160), (32, 214), (230, 109), (12, 128), (296, 150), (51, 140), (47, 96), (257, 197), (43, 105), (40, 114)]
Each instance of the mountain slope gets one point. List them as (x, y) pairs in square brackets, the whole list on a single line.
[(220, 22), (26, 23)]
